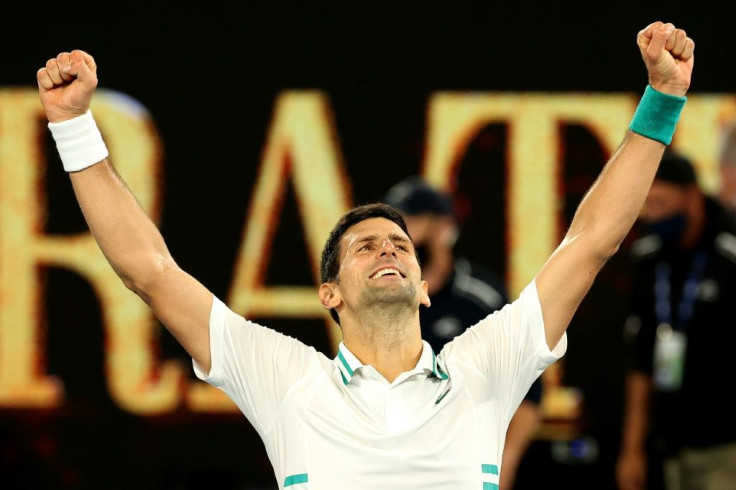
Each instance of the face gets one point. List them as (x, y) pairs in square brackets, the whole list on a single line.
[(424, 235), (664, 201), (377, 266), (419, 226), (433, 235)]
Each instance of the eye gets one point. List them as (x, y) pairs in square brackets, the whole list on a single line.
[(367, 246), (403, 248)]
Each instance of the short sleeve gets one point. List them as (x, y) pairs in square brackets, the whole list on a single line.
[(509, 347), (254, 365)]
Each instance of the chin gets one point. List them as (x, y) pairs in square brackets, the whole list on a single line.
[(401, 294)]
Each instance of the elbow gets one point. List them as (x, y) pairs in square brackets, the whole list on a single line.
[(601, 235), (138, 287), (599, 246), (607, 240), (143, 277), (602, 253), (607, 251)]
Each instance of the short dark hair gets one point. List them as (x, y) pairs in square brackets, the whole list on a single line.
[(329, 266)]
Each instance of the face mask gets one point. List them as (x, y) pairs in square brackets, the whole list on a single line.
[(669, 230), (422, 254)]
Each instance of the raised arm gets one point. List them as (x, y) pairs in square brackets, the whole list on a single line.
[(130, 241), (611, 206)]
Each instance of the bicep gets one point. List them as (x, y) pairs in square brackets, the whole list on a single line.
[(563, 282), (183, 306)]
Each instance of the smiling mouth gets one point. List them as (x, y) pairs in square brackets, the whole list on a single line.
[(389, 271)]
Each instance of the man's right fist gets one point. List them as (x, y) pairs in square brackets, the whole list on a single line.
[(66, 85)]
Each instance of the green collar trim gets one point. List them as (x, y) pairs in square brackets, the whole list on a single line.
[(348, 364)]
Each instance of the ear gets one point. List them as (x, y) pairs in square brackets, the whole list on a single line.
[(329, 295), (424, 294)]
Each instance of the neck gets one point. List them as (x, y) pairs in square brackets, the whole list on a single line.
[(388, 341)]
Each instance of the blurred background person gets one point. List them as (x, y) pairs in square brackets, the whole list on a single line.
[(679, 429), (727, 166), (461, 294)]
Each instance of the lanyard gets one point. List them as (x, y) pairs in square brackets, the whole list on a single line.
[(662, 291)]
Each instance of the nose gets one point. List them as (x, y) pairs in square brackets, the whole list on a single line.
[(388, 248)]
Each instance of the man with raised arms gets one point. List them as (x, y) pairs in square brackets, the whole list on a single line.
[(387, 412)]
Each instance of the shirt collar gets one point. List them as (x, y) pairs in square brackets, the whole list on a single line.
[(348, 364)]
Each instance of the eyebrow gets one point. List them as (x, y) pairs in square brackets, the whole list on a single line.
[(394, 237)]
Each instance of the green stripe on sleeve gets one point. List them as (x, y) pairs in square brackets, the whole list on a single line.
[(295, 479), (489, 486), (490, 468)]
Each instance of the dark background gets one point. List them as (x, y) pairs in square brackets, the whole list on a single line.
[(209, 75)]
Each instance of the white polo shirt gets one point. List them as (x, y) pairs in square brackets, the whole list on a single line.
[(333, 424)]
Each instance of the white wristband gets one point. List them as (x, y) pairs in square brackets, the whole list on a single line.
[(79, 142)]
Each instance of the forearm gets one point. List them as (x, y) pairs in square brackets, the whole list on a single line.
[(601, 223), (130, 241), (522, 429), (611, 206), (636, 412), (613, 203)]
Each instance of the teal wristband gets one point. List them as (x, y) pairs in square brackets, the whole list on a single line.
[(657, 114)]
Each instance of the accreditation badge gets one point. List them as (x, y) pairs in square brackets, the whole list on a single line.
[(669, 358)]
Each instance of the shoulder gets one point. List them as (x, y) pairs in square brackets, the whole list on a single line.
[(725, 245), (725, 236), (232, 327)]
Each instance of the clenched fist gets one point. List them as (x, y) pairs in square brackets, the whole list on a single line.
[(66, 85)]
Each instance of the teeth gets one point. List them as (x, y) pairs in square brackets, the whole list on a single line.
[(384, 272)]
